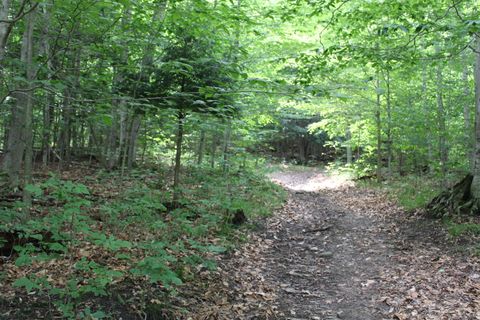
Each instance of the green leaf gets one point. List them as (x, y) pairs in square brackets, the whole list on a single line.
[(25, 282), (23, 260), (35, 190), (98, 315), (216, 249)]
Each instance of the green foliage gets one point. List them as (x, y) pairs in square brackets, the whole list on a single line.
[(411, 192), (459, 229), (172, 244)]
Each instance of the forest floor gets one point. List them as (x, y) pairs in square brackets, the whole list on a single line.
[(336, 251)]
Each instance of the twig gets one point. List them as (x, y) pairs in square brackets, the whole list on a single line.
[(321, 229)]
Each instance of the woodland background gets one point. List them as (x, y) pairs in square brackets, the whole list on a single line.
[(135, 133)]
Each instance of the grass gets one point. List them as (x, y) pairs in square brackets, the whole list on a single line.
[(410, 192), (459, 229), (414, 192)]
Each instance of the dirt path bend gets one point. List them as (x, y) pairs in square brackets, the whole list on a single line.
[(335, 251)]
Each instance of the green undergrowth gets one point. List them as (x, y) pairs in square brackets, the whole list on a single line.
[(87, 236), (465, 232), (411, 192), (415, 192), (463, 228), (280, 167)]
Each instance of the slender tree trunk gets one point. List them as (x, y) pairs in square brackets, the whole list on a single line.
[(178, 158), (400, 162), (110, 148), (123, 145), (145, 142), (30, 72), (226, 146), (427, 120), (132, 145), (5, 124), (442, 140), (378, 121), (213, 150), (47, 128), (467, 121), (348, 137), (389, 125), (68, 112), (475, 188), (116, 131), (201, 147)]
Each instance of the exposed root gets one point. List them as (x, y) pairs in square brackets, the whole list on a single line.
[(455, 200)]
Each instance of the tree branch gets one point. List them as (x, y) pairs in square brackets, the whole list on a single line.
[(21, 13)]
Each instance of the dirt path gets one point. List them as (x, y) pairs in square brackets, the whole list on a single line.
[(339, 252), (326, 259)]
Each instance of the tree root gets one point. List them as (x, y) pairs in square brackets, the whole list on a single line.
[(455, 200)]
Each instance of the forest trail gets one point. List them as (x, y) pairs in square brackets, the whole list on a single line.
[(335, 251), (326, 259)]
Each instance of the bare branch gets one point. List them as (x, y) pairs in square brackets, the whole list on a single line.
[(21, 13)]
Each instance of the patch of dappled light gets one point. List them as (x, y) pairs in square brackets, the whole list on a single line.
[(311, 181)]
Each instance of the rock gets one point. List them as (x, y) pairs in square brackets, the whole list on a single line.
[(325, 254)]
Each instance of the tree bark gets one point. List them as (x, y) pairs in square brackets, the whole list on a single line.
[(30, 72), (467, 120), (20, 131), (348, 137), (389, 125), (5, 27), (442, 139), (378, 121), (226, 146), (68, 111), (132, 140), (201, 147), (475, 189), (427, 120), (213, 150), (178, 158), (116, 131)]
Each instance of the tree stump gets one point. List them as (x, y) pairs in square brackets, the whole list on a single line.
[(455, 200)]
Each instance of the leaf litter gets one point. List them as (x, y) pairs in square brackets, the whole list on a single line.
[(335, 251)]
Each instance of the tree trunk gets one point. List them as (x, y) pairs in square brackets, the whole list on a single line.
[(68, 112), (116, 130), (201, 146), (455, 200), (20, 131), (427, 120), (442, 139), (110, 148), (30, 72), (178, 158), (464, 197), (132, 140), (467, 121), (389, 126), (213, 150), (379, 134), (348, 137), (5, 27), (226, 146), (476, 168)]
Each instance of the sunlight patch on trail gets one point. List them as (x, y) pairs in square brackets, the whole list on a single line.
[(311, 181)]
